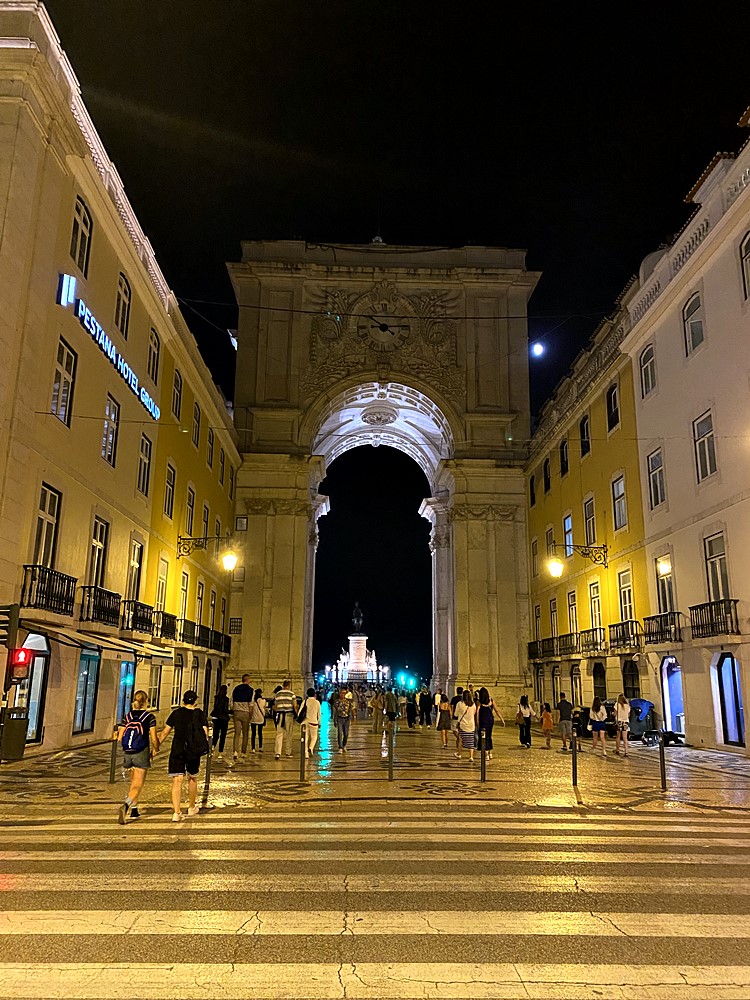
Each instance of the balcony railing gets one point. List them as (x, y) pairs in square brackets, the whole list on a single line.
[(165, 625), (569, 644), (137, 617), (534, 652), (186, 631), (593, 640), (662, 628), (549, 646), (203, 638), (216, 640), (99, 605), (625, 635), (714, 618), (49, 590), (227, 644)]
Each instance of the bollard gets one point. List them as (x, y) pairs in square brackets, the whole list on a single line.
[(483, 754), (302, 748), (662, 761), (574, 748), (390, 751), (207, 779), (113, 759)]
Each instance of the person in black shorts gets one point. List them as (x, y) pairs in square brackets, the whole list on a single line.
[(189, 744)]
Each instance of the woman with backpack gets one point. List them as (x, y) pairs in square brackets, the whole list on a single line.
[(189, 744), (342, 713), (137, 736), (257, 720), (524, 714), (220, 720)]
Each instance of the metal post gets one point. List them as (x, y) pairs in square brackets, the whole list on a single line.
[(113, 759), (207, 779), (483, 754), (574, 748), (302, 748), (390, 751), (662, 761)]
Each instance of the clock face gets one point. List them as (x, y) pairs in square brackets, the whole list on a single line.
[(382, 331)]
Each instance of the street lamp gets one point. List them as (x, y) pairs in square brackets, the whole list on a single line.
[(187, 544), (596, 553)]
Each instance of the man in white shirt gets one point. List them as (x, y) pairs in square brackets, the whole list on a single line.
[(311, 709)]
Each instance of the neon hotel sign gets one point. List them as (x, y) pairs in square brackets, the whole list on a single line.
[(66, 296)]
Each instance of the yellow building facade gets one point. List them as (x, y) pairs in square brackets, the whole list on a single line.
[(585, 515), (115, 442)]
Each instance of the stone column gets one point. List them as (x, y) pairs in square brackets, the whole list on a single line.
[(436, 511), (319, 507)]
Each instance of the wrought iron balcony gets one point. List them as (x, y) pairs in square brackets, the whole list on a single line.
[(714, 618), (49, 590), (569, 644), (99, 605), (625, 635), (186, 630), (217, 640), (549, 647), (165, 625), (593, 640), (137, 617), (662, 628), (534, 653), (203, 637), (227, 644)]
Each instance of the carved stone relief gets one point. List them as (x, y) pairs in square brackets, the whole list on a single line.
[(481, 512)]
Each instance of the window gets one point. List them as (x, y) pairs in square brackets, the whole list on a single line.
[(589, 521), (745, 264), (88, 683), (221, 466), (98, 555), (613, 407), (657, 492), (169, 485), (568, 535), (177, 679), (584, 430), (177, 394), (64, 382), (212, 610), (705, 446), (572, 612), (194, 675), (648, 371), (664, 587), (235, 626), (199, 603), (534, 557), (546, 475), (122, 305), (240, 523), (576, 688), (564, 457), (80, 238), (600, 681), (595, 605), (184, 585), (631, 681), (135, 565), (549, 539), (692, 323), (144, 465), (532, 490), (161, 585), (619, 504), (717, 572), (210, 448), (48, 515), (154, 686), (537, 622), (231, 482), (625, 591), (223, 622), (553, 616), (204, 521), (196, 424), (189, 510), (154, 347), (109, 434)]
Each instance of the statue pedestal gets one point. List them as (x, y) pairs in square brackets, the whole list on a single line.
[(357, 667)]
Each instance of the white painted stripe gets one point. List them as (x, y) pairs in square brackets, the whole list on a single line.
[(376, 981), (572, 923)]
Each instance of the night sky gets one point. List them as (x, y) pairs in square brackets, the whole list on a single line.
[(573, 131)]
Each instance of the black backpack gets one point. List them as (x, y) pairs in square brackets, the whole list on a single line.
[(196, 744)]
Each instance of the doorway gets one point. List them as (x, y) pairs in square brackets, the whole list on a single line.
[(125, 689), (730, 700), (31, 693), (672, 695)]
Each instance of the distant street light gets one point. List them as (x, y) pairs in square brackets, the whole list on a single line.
[(537, 349)]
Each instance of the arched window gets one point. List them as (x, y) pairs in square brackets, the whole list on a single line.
[(576, 689), (80, 237), (584, 430), (210, 449), (532, 490), (631, 681), (196, 425), (600, 681), (122, 305), (564, 457), (154, 347), (648, 371), (613, 406), (177, 394), (546, 475), (692, 323), (745, 264)]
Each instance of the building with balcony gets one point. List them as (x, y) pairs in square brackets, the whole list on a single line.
[(689, 343), (115, 440)]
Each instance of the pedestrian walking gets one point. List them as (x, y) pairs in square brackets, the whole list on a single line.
[(444, 720), (457, 697), (598, 725), (466, 713), (378, 707), (436, 704), (311, 710), (257, 720), (524, 714), (547, 726), (242, 697), (391, 707), (402, 704), (284, 708), (622, 723), (486, 715), (342, 714), (189, 744), (220, 720), (411, 709), (564, 710), (138, 739), (425, 708)]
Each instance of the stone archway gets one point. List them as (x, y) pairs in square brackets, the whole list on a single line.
[(425, 349)]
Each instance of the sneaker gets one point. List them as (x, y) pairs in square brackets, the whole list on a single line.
[(290, 755), (457, 756), (122, 813), (341, 750), (489, 756), (220, 757), (277, 757), (235, 755), (252, 751), (134, 814), (178, 817), (194, 810)]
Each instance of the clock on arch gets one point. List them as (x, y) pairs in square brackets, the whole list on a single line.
[(381, 327)]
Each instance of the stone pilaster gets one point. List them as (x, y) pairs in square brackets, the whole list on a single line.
[(436, 511)]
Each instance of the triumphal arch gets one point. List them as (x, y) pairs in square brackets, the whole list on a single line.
[(423, 349)]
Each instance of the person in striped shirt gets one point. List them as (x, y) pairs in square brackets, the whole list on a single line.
[(284, 709)]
